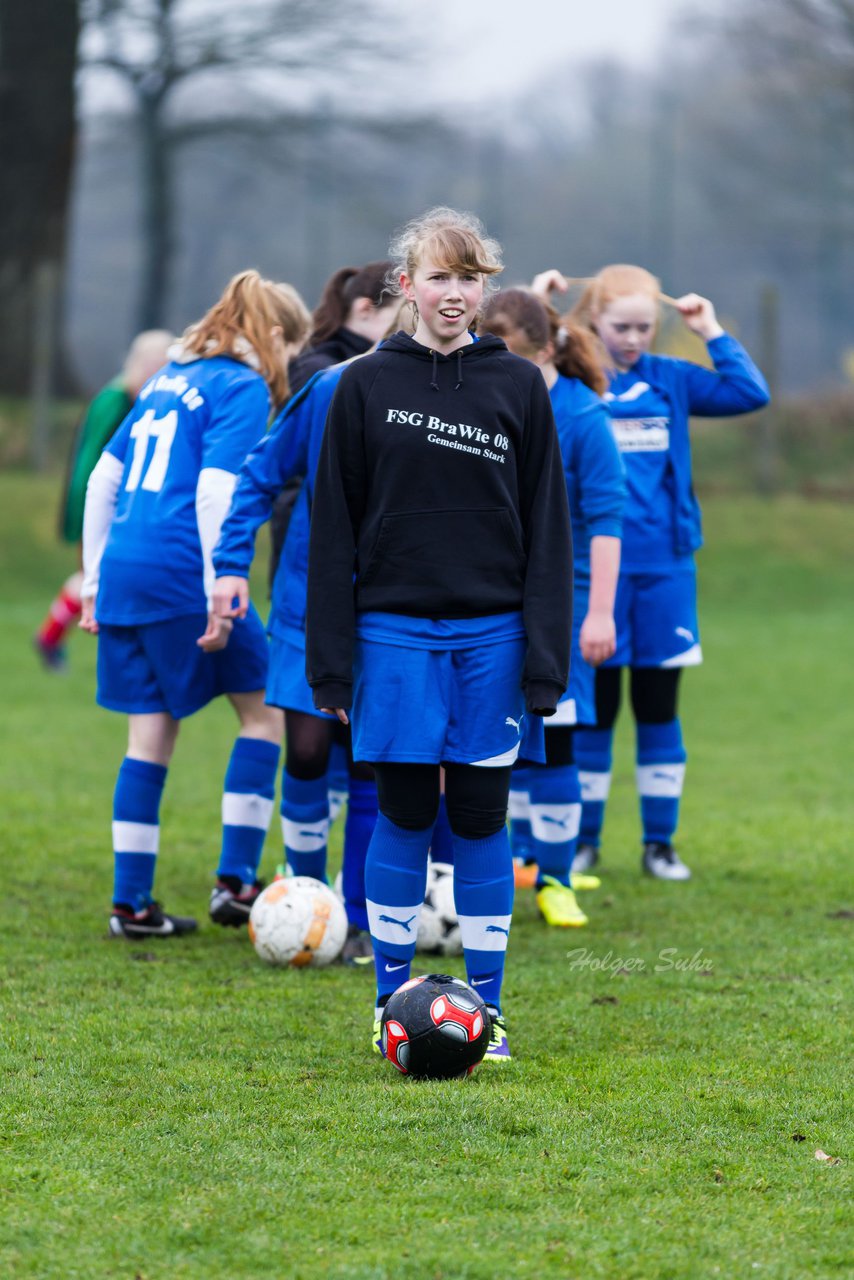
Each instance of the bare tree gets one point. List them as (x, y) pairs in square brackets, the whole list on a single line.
[(38, 43), (196, 67)]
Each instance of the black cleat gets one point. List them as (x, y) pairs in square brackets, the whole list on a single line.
[(663, 862), (151, 922), (231, 900), (586, 857), (358, 951)]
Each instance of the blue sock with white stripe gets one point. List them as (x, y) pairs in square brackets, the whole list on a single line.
[(442, 843), (661, 760), (593, 749), (521, 838), (555, 819), (483, 894), (337, 779), (361, 820), (395, 881), (305, 824), (136, 830), (247, 806)]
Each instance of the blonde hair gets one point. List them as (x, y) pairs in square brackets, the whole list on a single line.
[(616, 281), (148, 351), (240, 325), (456, 240)]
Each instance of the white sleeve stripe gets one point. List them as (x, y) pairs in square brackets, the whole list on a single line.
[(101, 495), (213, 498)]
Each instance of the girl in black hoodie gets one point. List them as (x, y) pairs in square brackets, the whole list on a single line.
[(439, 594)]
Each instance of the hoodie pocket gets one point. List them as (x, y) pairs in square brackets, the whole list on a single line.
[(456, 561)]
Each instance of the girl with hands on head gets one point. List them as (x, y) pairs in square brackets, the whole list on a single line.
[(650, 399)]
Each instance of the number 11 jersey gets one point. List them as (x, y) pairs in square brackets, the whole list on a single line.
[(202, 416)]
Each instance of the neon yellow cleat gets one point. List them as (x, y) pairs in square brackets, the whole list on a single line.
[(558, 906), (579, 880), (377, 1037), (498, 1049)]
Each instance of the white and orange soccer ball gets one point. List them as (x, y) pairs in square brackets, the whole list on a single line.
[(298, 921)]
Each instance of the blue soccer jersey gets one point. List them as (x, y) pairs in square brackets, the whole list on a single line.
[(640, 416), (595, 484), (192, 419)]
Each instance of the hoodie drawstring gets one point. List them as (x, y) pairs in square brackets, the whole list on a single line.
[(434, 382)]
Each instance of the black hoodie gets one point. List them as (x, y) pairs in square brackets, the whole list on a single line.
[(341, 345), (440, 486)]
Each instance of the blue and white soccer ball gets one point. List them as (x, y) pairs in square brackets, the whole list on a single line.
[(439, 926)]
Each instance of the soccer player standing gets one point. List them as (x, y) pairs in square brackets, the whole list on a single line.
[(545, 799), (154, 506), (650, 398), (439, 599)]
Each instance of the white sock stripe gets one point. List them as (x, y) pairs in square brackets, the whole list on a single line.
[(496, 762), (594, 786), (555, 823), (519, 804), (305, 837), (394, 924), (136, 837), (485, 933), (660, 779), (245, 809)]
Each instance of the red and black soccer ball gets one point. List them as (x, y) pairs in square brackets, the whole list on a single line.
[(435, 1028)]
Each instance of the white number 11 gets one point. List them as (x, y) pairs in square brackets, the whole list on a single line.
[(144, 429)]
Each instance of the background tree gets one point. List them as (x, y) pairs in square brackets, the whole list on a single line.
[(38, 44), (198, 70)]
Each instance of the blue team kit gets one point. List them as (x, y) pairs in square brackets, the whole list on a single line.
[(595, 488), (650, 404), (204, 414)]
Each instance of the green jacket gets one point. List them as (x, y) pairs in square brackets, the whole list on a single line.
[(99, 424)]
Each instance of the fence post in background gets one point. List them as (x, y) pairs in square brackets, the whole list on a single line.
[(767, 461), (45, 288)]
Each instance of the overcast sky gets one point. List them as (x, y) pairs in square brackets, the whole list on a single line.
[(476, 48)]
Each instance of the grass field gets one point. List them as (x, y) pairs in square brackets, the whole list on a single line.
[(182, 1111)]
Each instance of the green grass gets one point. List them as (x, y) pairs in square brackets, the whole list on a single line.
[(182, 1111)]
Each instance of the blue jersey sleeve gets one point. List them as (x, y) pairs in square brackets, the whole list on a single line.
[(601, 476), (278, 458), (238, 420), (734, 386)]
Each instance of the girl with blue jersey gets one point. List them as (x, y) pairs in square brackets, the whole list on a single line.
[(154, 506), (439, 602), (650, 399), (545, 799), (291, 450)]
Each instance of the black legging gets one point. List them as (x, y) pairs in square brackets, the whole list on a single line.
[(307, 742), (653, 690), (559, 748), (476, 797)]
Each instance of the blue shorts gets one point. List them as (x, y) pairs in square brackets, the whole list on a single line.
[(157, 666), (287, 686), (430, 706), (578, 704), (656, 616)]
